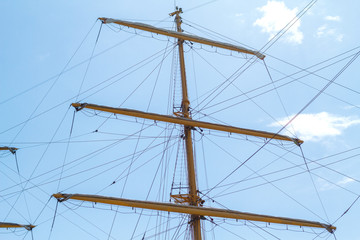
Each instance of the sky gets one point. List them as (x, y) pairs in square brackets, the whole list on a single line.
[(57, 53)]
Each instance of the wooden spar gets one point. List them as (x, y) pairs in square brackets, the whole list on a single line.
[(15, 225), (187, 122), (185, 106), (194, 210), (11, 149), (182, 36)]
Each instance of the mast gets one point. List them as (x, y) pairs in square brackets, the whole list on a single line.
[(194, 206), (185, 106)]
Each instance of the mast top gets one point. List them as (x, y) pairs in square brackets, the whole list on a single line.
[(177, 12)]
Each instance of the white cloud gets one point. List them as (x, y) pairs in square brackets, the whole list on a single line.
[(325, 31), (351, 107), (339, 37), (276, 17), (315, 127), (325, 185), (240, 18), (332, 18), (345, 181), (42, 57)]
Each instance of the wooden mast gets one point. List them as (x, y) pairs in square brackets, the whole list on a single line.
[(185, 106), (196, 210)]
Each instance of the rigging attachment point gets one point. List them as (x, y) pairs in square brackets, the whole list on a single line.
[(79, 106)]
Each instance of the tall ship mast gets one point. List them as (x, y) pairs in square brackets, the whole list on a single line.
[(189, 203), (140, 120)]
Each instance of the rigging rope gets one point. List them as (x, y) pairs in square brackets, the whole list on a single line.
[(316, 190), (292, 119)]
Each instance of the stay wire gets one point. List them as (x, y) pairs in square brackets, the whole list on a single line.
[(201, 5), (57, 75), (25, 123), (152, 184), (279, 179), (347, 210), (249, 177), (89, 62), (286, 62), (278, 95), (92, 154), (148, 106), (313, 183), (251, 61), (138, 139), (39, 200), (279, 34), (42, 210), (224, 108), (286, 76), (12, 207), (312, 87), (296, 166), (314, 73), (73, 118), (67, 150), (146, 78), (229, 82), (40, 160), (281, 86), (292, 119), (51, 87), (246, 95), (71, 98), (262, 177), (126, 176), (22, 187), (76, 225)]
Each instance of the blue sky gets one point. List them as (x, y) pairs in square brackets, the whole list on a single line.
[(45, 66)]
